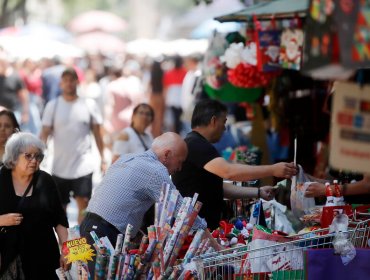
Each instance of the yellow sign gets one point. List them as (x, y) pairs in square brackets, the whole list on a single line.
[(77, 250)]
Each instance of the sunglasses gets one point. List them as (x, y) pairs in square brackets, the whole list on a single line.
[(30, 157)]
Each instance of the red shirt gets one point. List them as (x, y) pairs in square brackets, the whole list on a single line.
[(174, 77)]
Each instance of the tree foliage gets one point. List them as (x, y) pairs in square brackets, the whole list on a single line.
[(11, 10)]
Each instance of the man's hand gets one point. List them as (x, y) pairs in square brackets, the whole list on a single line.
[(315, 190), (267, 192), (284, 170)]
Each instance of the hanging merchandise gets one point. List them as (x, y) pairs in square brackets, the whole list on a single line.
[(291, 48), (244, 62), (337, 38), (223, 56), (353, 23), (268, 47), (321, 51), (214, 69)]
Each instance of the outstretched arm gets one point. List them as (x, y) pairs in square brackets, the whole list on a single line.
[(360, 187), (242, 172), (235, 192)]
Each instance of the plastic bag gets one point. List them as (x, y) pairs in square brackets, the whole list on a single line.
[(299, 203)]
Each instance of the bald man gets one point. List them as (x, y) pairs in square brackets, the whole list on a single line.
[(132, 185)]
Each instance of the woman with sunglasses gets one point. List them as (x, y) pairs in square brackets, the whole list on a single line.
[(30, 211), (135, 138), (8, 125)]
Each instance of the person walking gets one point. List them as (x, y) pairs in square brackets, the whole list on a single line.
[(172, 82), (70, 119), (30, 211)]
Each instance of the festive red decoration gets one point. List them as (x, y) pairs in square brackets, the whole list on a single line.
[(248, 76), (227, 227)]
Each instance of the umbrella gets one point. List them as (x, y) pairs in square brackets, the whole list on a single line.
[(206, 28), (277, 8), (155, 48), (100, 42), (45, 30), (97, 20), (28, 47), (38, 30), (202, 12)]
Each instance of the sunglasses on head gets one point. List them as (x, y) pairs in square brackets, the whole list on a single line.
[(37, 156)]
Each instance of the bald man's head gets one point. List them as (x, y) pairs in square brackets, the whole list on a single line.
[(171, 150)]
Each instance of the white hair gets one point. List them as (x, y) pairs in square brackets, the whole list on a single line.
[(17, 144)]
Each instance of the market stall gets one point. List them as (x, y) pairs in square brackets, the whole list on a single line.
[(285, 47), (296, 50)]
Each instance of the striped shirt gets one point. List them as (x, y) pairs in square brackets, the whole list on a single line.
[(129, 188)]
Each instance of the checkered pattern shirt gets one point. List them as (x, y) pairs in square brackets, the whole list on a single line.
[(129, 188)]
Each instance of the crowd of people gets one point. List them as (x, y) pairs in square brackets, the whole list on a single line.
[(125, 113)]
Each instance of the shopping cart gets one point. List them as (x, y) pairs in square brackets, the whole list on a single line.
[(282, 261)]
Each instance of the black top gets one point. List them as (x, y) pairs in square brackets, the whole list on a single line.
[(193, 178), (34, 239), (9, 87)]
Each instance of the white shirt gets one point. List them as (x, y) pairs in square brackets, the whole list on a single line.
[(133, 144), (71, 124)]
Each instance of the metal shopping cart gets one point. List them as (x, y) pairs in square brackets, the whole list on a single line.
[(282, 261)]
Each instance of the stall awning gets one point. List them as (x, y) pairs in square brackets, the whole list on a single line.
[(265, 10)]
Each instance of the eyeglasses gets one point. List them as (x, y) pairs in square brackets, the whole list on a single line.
[(30, 157), (147, 114)]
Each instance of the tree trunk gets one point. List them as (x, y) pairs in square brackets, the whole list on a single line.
[(8, 16)]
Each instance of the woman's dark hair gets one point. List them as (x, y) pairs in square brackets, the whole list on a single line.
[(12, 117), (178, 60), (144, 105), (204, 111), (156, 79)]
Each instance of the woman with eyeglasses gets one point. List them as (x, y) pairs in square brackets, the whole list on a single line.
[(135, 138), (8, 125), (30, 211)]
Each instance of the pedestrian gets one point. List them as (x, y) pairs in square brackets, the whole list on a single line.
[(204, 169), (172, 82), (135, 138), (8, 125), (70, 119), (30, 211), (156, 98), (13, 93)]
